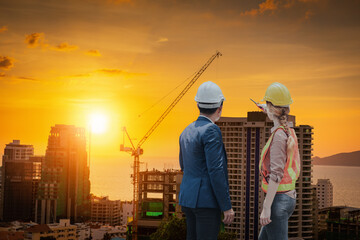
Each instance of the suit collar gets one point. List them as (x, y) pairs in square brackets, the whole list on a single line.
[(202, 117)]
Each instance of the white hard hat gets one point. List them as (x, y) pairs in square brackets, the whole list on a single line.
[(209, 95)]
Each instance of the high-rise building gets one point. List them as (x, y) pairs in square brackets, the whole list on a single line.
[(158, 198), (20, 177), (244, 138), (324, 189), (105, 211), (301, 222), (315, 213), (64, 190), (1, 190)]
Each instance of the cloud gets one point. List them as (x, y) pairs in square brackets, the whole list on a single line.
[(113, 71), (94, 53), (35, 39), (119, 1), (2, 74), (275, 5), (6, 63), (28, 79), (65, 47), (308, 15), (268, 5), (38, 40), (80, 75), (3, 29), (161, 40)]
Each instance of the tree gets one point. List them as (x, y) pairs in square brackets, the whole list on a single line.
[(107, 236), (227, 236), (175, 229), (172, 229)]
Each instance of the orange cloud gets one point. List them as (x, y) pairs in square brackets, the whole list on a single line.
[(273, 5), (65, 47), (94, 53), (268, 5), (118, 1), (112, 71), (3, 29), (6, 63), (2, 74), (161, 40), (28, 79), (308, 15), (38, 39), (35, 39), (80, 75)]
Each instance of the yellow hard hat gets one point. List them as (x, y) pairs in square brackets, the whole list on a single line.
[(278, 95)]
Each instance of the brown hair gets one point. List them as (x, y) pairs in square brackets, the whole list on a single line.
[(282, 114)]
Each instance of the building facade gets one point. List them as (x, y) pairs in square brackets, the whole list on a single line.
[(64, 190), (21, 173), (324, 189), (244, 138), (126, 212), (62, 230), (105, 211)]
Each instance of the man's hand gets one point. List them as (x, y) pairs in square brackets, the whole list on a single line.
[(265, 216), (229, 216)]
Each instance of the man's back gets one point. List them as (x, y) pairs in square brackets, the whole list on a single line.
[(203, 160)]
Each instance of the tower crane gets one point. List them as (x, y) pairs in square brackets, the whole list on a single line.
[(137, 151)]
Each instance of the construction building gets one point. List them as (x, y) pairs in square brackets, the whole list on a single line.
[(244, 138), (64, 190), (21, 173), (105, 211), (340, 222), (158, 199), (324, 193)]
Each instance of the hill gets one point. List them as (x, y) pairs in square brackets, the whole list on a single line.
[(340, 159)]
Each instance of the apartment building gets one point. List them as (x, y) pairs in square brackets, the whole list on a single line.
[(105, 211), (62, 230), (244, 138), (324, 189)]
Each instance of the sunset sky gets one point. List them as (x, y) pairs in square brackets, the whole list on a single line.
[(61, 61)]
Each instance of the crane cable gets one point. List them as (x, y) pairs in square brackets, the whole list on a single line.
[(152, 106)]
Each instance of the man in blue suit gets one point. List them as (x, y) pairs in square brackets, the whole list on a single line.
[(204, 190)]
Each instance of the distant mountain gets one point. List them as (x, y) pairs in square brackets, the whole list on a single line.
[(340, 159)]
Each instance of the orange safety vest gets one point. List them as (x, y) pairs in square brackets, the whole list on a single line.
[(292, 167)]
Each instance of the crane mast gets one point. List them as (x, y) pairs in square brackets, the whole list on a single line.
[(136, 152)]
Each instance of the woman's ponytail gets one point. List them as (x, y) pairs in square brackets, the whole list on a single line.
[(282, 114)]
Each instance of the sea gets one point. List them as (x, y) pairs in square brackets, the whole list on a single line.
[(114, 180)]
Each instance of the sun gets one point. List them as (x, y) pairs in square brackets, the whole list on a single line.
[(98, 123)]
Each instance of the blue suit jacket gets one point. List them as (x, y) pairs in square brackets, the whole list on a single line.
[(204, 163)]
